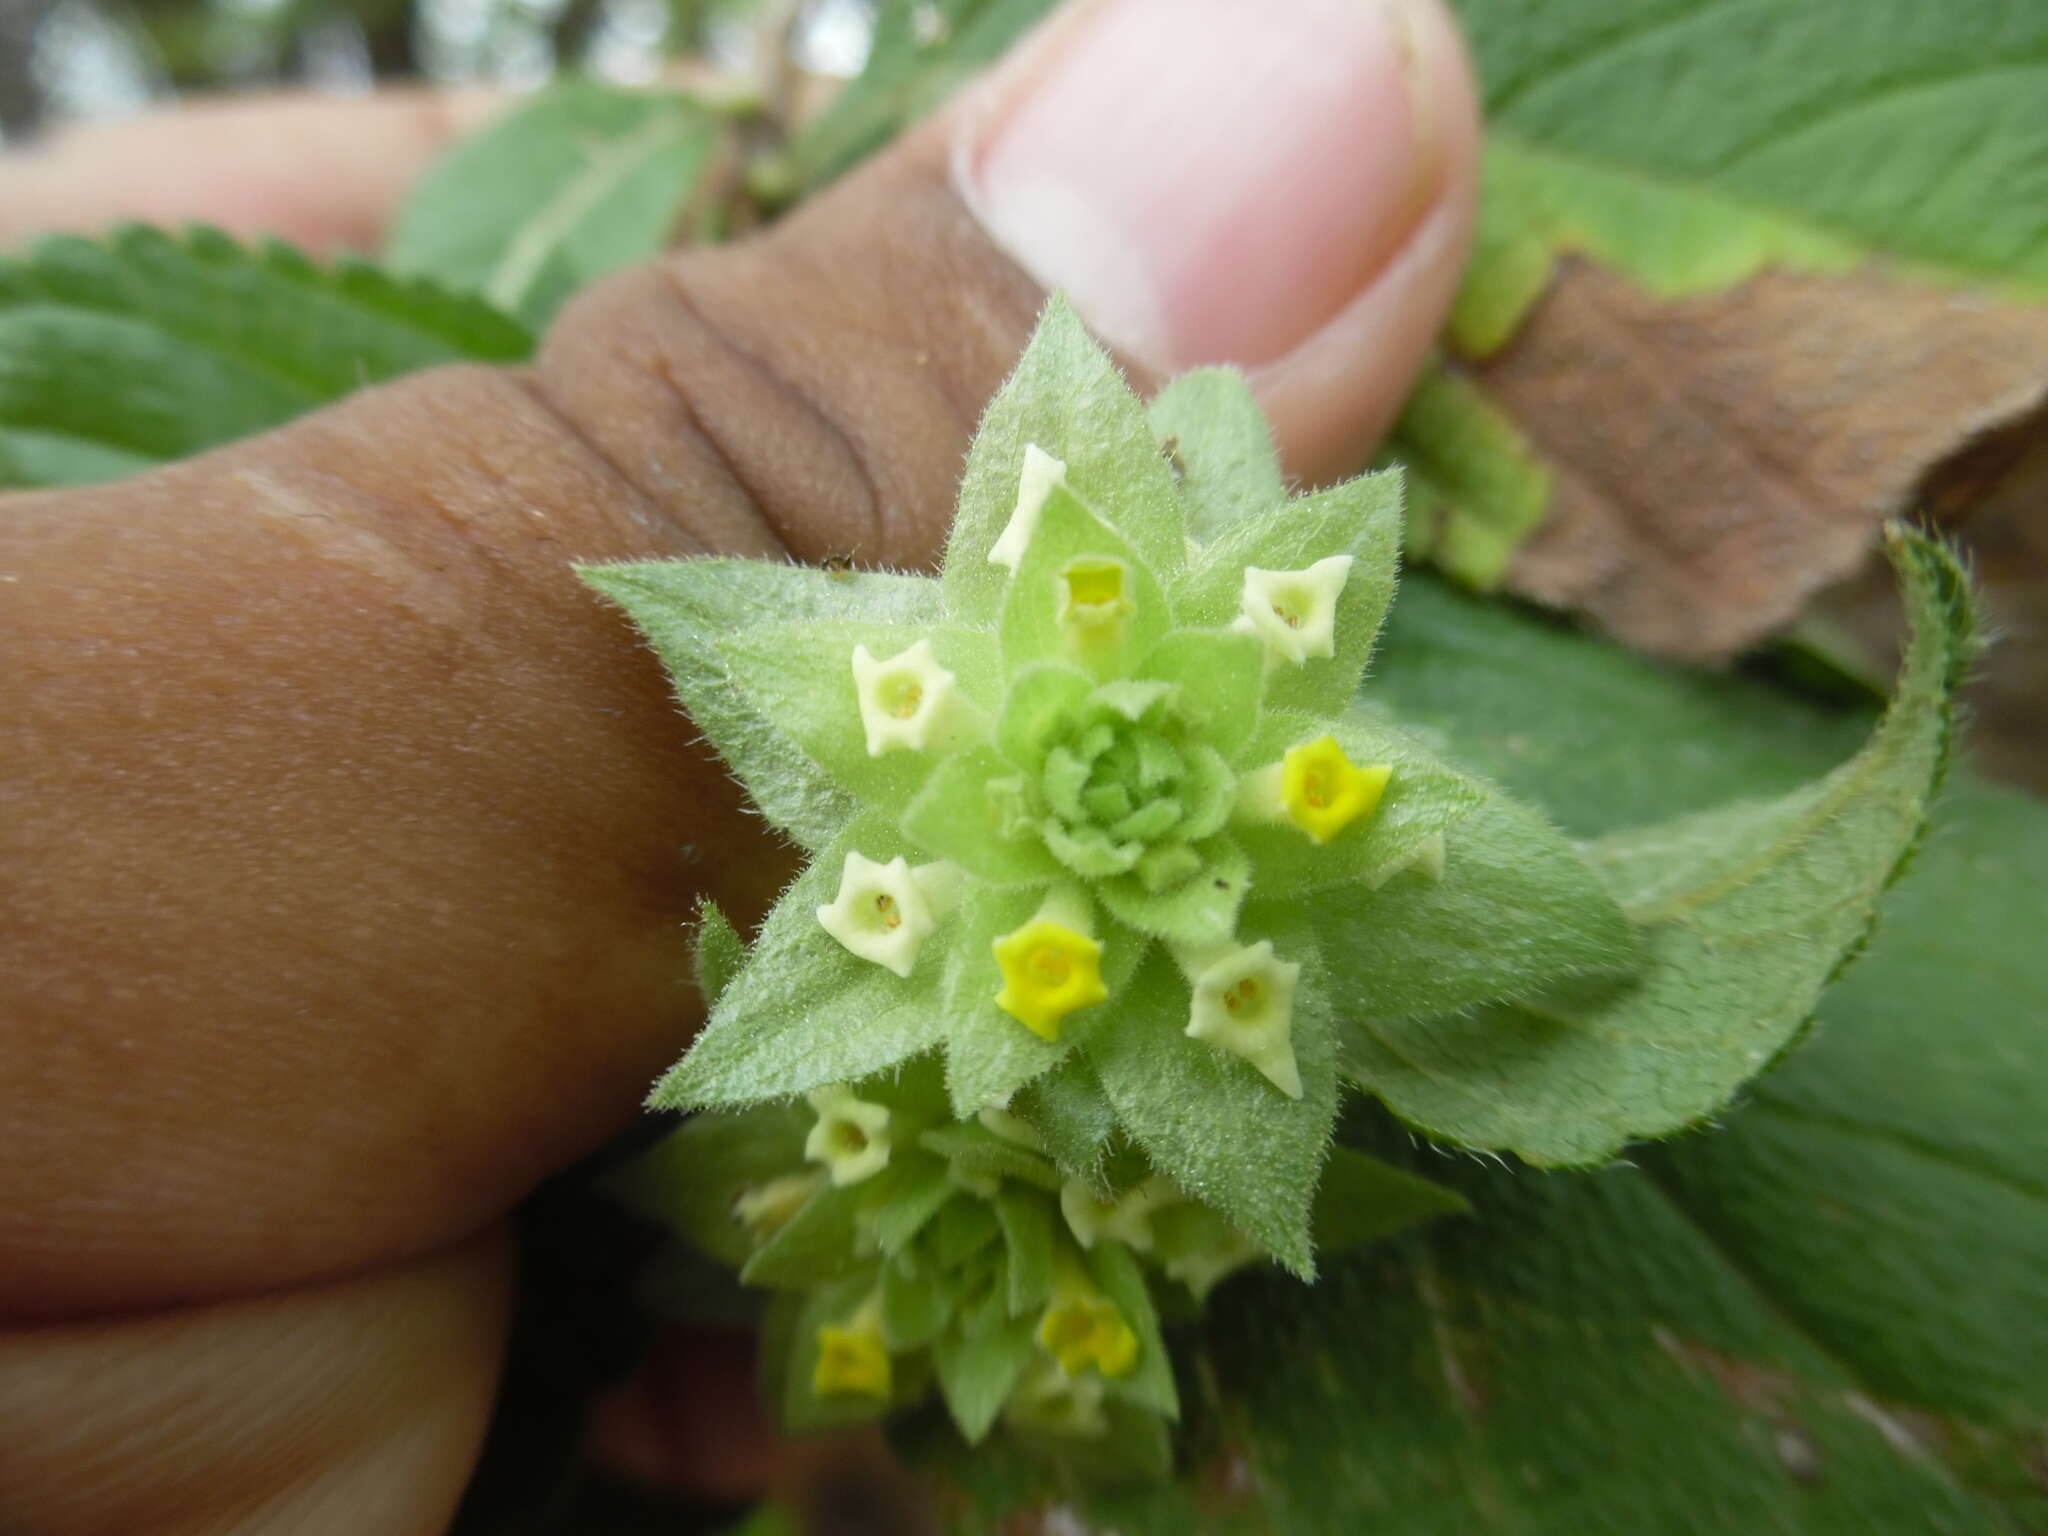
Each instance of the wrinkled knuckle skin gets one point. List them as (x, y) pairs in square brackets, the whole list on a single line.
[(812, 391), (356, 834)]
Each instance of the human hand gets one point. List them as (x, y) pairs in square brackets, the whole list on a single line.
[(350, 839)]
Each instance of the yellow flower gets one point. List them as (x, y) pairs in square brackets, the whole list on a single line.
[(852, 1362), (1324, 792), (1085, 1329), (1049, 970)]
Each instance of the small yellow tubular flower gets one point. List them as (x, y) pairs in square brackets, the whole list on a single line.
[(765, 1209), (1049, 970), (1095, 604), (882, 912), (1294, 612), (851, 1137), (852, 1360), (1083, 1329), (1244, 1003), (1324, 792), (1035, 482)]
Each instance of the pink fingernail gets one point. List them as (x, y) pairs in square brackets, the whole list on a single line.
[(1208, 180)]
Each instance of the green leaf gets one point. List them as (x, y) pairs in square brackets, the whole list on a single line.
[(914, 1309), (982, 1154), (1487, 684), (1067, 398), (717, 952), (805, 1012), (1209, 1121), (920, 51), (963, 1230), (582, 179), (690, 1178), (1150, 1384), (955, 816), (977, 1369), (1221, 678), (1363, 1199), (1581, 1357), (1749, 911), (1068, 1109), (1027, 1222), (798, 679), (1201, 910), (1689, 144), (1030, 628), (989, 1054), (905, 1196), (1040, 699), (144, 347), (1517, 911), (813, 1246), (1424, 798), (795, 1356), (1360, 518), (1221, 447), (685, 608)]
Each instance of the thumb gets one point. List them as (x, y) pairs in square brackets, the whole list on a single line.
[(1288, 188), (354, 837)]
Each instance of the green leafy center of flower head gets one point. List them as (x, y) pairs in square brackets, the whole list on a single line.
[(1125, 789)]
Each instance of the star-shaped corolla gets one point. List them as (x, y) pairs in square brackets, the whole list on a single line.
[(1049, 971), (1323, 791), (853, 1361), (908, 702), (1244, 1004), (1294, 612), (885, 912), (1084, 1328), (851, 1137)]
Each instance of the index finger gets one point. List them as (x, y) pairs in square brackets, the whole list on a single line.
[(326, 173)]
